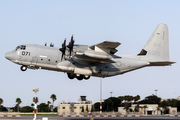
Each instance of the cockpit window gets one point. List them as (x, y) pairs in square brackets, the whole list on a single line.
[(21, 47)]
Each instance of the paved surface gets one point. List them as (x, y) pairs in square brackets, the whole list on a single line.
[(119, 118)]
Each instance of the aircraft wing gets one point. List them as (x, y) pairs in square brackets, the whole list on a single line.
[(106, 46)]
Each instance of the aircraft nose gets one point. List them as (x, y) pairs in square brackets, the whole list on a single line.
[(9, 55)]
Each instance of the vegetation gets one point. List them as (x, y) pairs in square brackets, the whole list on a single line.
[(53, 97), (26, 109), (152, 99), (3, 109), (1, 101), (18, 101), (110, 104), (43, 107)]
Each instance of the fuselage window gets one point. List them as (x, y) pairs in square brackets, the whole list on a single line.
[(17, 48), (23, 47)]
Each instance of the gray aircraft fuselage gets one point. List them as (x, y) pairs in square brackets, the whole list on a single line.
[(49, 58), (82, 61)]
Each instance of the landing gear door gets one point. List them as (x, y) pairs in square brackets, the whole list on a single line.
[(34, 61)]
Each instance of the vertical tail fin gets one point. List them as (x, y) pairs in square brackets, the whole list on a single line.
[(157, 47)]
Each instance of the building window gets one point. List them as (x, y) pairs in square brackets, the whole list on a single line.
[(63, 107), (74, 107)]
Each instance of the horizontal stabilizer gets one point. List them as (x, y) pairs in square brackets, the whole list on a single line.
[(165, 63)]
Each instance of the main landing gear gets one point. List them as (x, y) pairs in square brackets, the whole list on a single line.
[(79, 77), (23, 68)]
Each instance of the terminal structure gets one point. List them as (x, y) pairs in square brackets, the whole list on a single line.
[(82, 105)]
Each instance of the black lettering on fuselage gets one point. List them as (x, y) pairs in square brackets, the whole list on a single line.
[(25, 53)]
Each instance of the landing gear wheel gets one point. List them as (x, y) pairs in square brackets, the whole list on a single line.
[(80, 77), (23, 68), (86, 77), (71, 76)]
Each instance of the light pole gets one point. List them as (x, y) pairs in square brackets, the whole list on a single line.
[(111, 93), (35, 91), (156, 92), (100, 96)]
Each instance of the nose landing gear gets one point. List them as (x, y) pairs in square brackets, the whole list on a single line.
[(23, 68)]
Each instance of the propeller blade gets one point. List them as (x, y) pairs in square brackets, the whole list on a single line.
[(71, 44), (63, 49)]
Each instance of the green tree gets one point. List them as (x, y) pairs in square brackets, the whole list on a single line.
[(26, 109), (158, 109), (108, 104), (53, 97), (178, 105), (152, 99), (18, 101), (97, 106), (136, 98), (43, 107), (126, 107), (32, 105), (48, 103), (121, 98), (145, 106), (3, 109), (111, 104), (1, 101), (136, 109)]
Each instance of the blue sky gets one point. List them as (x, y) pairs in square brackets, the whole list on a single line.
[(126, 21)]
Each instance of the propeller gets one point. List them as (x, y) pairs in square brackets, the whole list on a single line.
[(71, 44), (63, 49)]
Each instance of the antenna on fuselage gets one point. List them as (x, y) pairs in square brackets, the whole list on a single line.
[(51, 45)]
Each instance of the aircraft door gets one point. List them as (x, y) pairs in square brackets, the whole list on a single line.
[(34, 60)]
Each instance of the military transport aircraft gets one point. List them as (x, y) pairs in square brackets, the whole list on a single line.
[(83, 61)]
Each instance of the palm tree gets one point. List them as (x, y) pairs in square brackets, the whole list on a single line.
[(53, 97), (158, 109), (145, 106), (1, 101), (126, 107), (32, 105), (121, 98), (18, 100), (136, 98)]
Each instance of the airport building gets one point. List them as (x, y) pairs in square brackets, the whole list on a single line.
[(148, 109), (71, 108)]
